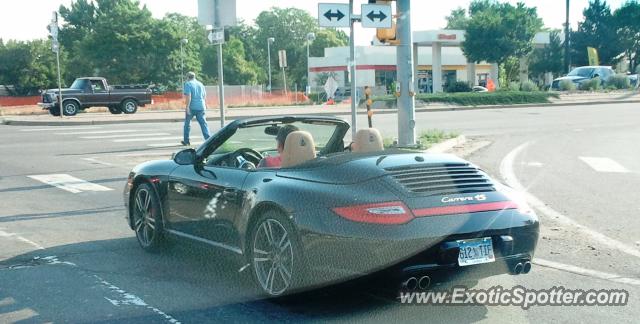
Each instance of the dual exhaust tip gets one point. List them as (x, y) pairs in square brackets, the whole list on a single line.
[(414, 283), (522, 268)]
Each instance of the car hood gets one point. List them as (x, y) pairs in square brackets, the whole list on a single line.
[(350, 168), (573, 78)]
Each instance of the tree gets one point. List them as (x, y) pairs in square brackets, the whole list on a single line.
[(627, 20), (29, 66), (237, 70), (548, 59), (457, 19), (326, 38), (498, 31), (597, 30)]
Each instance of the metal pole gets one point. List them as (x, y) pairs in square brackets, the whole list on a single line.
[(284, 79), (567, 58), (406, 101), (59, 83), (269, 59), (352, 61), (220, 63)]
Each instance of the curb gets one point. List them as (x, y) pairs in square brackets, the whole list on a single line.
[(448, 145), (67, 122)]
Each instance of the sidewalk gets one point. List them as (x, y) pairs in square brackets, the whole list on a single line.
[(143, 116)]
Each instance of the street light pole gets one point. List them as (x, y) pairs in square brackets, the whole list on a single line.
[(269, 41), (310, 38), (567, 58)]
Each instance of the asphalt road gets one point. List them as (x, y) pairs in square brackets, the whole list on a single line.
[(70, 257)]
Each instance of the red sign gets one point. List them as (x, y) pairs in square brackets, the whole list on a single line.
[(447, 37)]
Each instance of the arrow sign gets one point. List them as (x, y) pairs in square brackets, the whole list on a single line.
[(334, 15), (377, 16), (330, 15), (373, 16)]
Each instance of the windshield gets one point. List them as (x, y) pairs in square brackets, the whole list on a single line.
[(582, 72), (254, 137), (79, 84)]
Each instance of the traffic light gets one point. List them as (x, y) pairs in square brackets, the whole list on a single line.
[(386, 35)]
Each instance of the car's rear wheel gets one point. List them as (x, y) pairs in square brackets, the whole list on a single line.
[(275, 255), (70, 108), (147, 219), (115, 110), (129, 106)]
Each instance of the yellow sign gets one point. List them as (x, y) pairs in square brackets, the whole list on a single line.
[(593, 56)]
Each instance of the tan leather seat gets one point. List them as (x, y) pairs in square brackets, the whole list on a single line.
[(367, 140), (299, 147)]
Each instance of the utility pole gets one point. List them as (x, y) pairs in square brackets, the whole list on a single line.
[(352, 66), (404, 52), (567, 58), (55, 47), (269, 41), (220, 63)]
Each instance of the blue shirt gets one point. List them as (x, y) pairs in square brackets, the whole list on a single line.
[(198, 94)]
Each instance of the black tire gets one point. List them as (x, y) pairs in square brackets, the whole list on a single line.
[(275, 273), (70, 107), (147, 218), (129, 106), (115, 110)]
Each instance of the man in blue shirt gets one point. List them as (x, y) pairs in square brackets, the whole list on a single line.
[(195, 95)]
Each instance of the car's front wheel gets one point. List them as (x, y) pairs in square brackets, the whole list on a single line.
[(275, 255), (147, 220), (129, 106)]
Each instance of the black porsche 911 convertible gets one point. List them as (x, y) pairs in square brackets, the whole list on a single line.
[(332, 211)]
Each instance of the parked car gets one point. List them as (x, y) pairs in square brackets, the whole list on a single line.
[(584, 73), (96, 92), (333, 211)]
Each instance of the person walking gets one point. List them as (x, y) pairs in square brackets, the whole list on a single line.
[(195, 94)]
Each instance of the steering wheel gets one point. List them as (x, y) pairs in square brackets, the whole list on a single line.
[(249, 158)]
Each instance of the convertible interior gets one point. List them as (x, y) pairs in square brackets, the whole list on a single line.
[(249, 145)]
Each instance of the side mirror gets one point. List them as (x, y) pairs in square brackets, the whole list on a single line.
[(185, 157)]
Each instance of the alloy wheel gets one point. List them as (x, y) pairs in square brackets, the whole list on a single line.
[(273, 257), (145, 223)]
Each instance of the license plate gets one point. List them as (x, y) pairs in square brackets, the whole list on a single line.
[(475, 251)]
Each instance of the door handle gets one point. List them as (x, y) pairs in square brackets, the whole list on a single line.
[(230, 194)]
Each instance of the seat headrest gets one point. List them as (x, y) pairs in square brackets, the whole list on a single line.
[(367, 140), (299, 147)]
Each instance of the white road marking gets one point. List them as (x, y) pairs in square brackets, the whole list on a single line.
[(165, 153), (124, 136), (147, 139), (125, 298), (508, 174), (172, 144), (21, 239), (100, 132), (587, 272), (601, 164), (534, 164), (96, 161), (68, 183), (62, 128)]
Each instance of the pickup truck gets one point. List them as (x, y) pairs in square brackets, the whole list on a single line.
[(96, 92)]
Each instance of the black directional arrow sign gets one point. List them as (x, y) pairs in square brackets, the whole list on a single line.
[(334, 15), (376, 16), (338, 15), (373, 16)]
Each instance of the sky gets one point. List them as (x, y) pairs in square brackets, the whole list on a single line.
[(27, 19)]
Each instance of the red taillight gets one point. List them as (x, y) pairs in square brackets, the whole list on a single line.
[(384, 213)]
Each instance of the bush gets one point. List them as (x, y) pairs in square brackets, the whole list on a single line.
[(317, 97), (591, 85), (618, 81), (513, 86), (458, 86), (528, 86), (567, 85)]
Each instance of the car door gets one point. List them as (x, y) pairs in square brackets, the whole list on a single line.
[(98, 94), (203, 202)]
